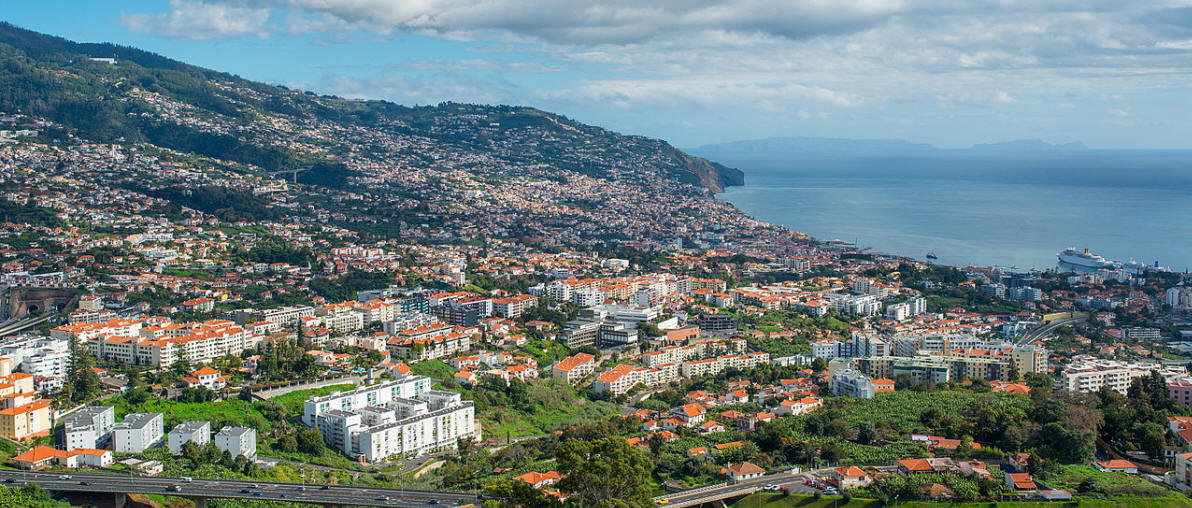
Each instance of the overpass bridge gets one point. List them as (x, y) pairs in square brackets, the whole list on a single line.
[(14, 325), (719, 492), (200, 490), (292, 172), (1045, 329)]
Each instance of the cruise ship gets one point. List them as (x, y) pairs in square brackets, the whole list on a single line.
[(1085, 259)]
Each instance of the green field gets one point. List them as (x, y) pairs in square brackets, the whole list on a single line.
[(234, 412), (1105, 485), (900, 411), (433, 369), (293, 400), (500, 422)]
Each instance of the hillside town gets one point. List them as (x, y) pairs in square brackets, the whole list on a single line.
[(503, 304)]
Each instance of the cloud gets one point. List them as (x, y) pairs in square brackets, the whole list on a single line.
[(201, 21), (583, 22), (666, 62)]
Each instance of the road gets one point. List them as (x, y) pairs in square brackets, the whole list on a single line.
[(12, 328), (232, 489), (795, 484), (1046, 329)]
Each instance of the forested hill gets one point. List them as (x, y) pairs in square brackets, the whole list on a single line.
[(148, 98)]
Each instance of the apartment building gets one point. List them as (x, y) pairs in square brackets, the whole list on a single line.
[(443, 341), (160, 345), (195, 431), (514, 306), (138, 432), (1088, 374), (402, 418), (89, 427), (574, 368), (851, 382), (622, 378), (237, 441)]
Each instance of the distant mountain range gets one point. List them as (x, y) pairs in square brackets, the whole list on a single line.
[(808, 145), (116, 94)]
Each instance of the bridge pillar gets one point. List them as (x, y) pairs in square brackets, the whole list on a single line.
[(120, 500), (200, 502)]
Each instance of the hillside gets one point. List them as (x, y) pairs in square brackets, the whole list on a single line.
[(147, 98)]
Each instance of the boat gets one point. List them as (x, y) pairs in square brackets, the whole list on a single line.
[(1084, 259), (931, 255)]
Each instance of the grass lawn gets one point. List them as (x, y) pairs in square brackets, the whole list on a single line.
[(779, 500), (1107, 485), (433, 369), (499, 422), (235, 411), (293, 400)]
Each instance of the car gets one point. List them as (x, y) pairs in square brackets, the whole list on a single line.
[(325, 487), (663, 501), (258, 493), (63, 477), (175, 488), (300, 488), (245, 491), (8, 480), (433, 501), (255, 486), (84, 483), (382, 498), (186, 479)]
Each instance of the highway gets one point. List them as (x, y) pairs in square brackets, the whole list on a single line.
[(235, 489), (1047, 328), (10, 327), (709, 494)]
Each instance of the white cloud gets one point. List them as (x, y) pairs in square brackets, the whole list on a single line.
[(201, 20), (869, 62)]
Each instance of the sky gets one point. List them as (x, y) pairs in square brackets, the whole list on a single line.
[(1109, 73)]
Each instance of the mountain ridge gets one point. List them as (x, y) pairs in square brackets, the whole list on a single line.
[(815, 145), (60, 80)]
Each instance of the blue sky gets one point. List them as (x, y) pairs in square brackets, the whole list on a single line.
[(1109, 73)]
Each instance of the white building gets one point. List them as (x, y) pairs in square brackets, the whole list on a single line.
[(138, 432), (237, 441), (89, 427), (1088, 374), (198, 432), (45, 358), (588, 297), (402, 418), (852, 382)]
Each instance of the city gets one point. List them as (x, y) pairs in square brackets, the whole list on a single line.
[(238, 294)]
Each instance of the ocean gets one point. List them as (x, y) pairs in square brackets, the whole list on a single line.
[(981, 208)]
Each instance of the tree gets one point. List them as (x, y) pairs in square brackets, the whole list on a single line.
[(516, 493), (192, 451), (1066, 444), (931, 417), (604, 473), (1013, 439), (288, 443), (866, 433), (310, 441), (903, 381)]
